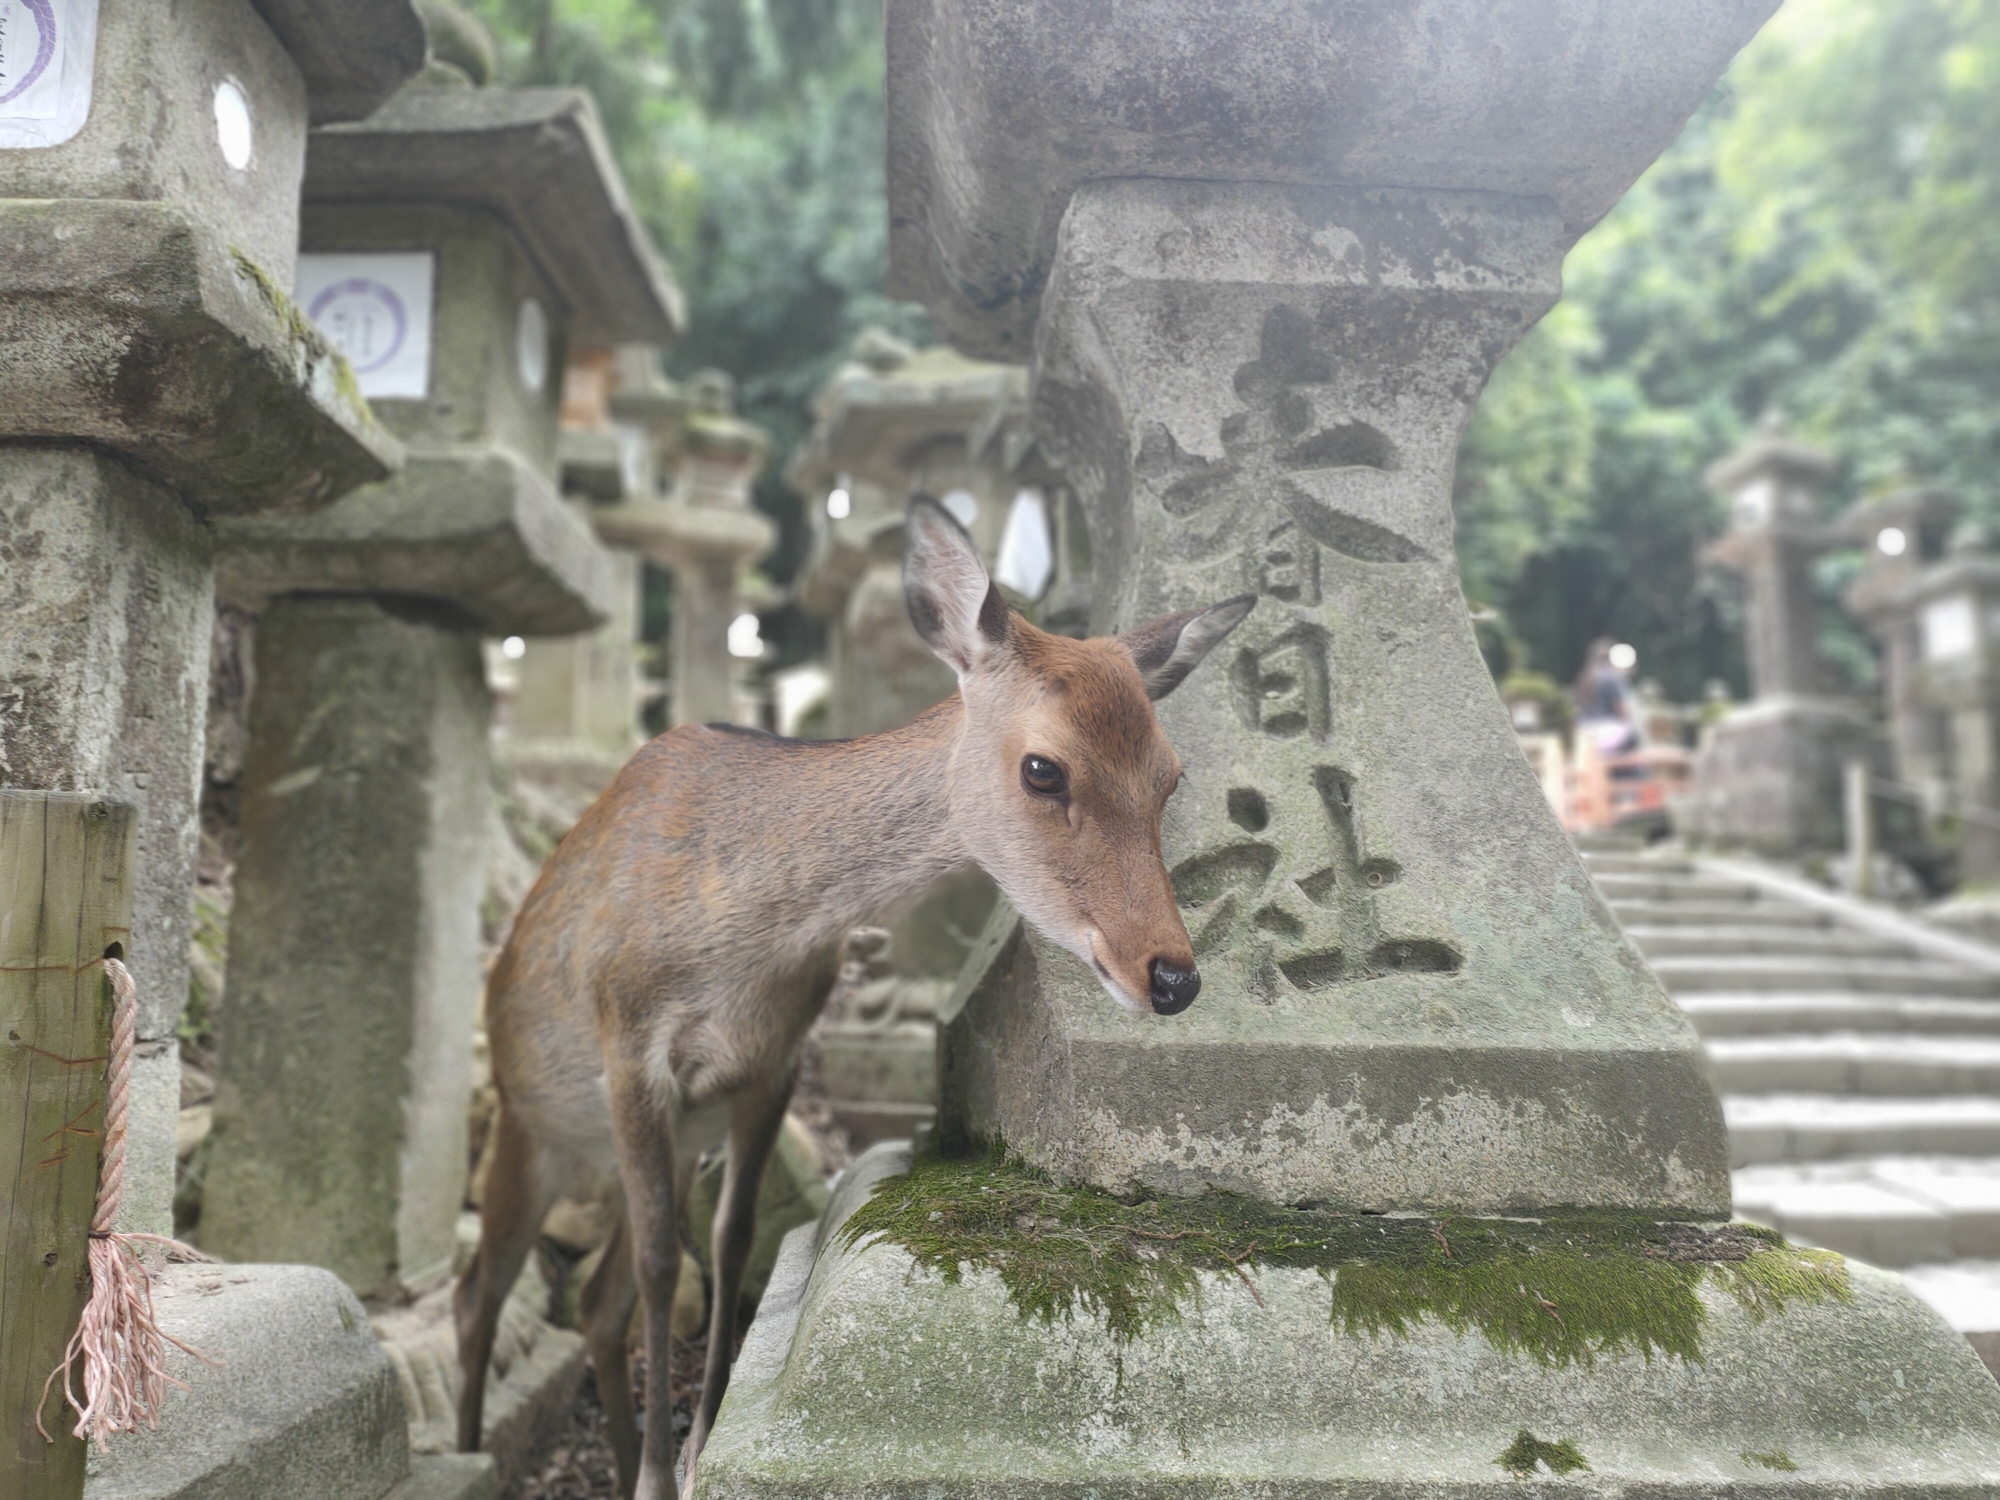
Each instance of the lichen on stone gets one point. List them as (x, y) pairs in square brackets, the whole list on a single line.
[(1561, 1288), (1776, 1458), (1521, 1456), (303, 333)]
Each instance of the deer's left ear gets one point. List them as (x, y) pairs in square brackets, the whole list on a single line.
[(953, 604), (1167, 649)]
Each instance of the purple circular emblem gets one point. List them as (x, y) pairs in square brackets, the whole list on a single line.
[(45, 46), (365, 320)]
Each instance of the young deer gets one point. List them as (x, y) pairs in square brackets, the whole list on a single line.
[(651, 999)]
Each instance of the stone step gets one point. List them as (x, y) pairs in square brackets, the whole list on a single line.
[(1890, 1211), (1854, 976), (1769, 1128), (1761, 942), (1778, 914), (1966, 1294), (1674, 888), (1636, 864), (1791, 1013), (1881, 1066)]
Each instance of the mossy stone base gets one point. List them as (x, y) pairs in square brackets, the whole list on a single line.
[(866, 1374)]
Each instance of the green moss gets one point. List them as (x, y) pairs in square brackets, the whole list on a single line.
[(1526, 1451), (303, 333), (1562, 1288), (1777, 1459)]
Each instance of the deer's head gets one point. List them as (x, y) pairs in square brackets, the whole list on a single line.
[(1062, 772)]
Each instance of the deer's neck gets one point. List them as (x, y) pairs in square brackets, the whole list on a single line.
[(881, 819)]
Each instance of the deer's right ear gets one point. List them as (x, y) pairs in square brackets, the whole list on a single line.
[(952, 602)]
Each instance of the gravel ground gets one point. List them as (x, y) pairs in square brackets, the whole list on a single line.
[(580, 1466)]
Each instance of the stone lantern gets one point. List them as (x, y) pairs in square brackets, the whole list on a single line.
[(1901, 534), (1956, 606), (1770, 774), (1264, 259), (890, 422), (573, 711), (456, 241), (706, 458)]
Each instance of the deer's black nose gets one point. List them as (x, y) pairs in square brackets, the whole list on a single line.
[(1174, 988)]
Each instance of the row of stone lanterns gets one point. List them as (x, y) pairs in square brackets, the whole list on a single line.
[(188, 262), (1771, 773), (158, 384)]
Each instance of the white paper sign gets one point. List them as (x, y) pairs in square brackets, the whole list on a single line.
[(375, 309), (47, 51)]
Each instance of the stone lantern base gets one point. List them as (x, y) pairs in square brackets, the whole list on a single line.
[(1770, 775), (867, 1375)]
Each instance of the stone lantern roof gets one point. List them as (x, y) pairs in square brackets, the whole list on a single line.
[(887, 403), (1923, 514), (1773, 451), (999, 109), (539, 160), (354, 53)]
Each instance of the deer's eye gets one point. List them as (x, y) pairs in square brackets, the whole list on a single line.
[(1043, 776)]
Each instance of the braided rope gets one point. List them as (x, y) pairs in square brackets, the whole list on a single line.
[(121, 1346)]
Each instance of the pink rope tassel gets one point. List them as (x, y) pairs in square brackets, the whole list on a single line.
[(122, 1348)]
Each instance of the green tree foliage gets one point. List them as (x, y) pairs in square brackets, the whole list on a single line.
[(750, 133), (1819, 242)]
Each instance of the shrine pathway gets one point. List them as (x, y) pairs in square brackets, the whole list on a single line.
[(1857, 1053)]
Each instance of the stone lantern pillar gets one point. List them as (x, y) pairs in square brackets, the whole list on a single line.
[(574, 709), (455, 241), (707, 534), (1770, 773), (1956, 606), (1265, 260), (1901, 534)]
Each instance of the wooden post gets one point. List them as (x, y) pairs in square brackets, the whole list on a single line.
[(65, 901)]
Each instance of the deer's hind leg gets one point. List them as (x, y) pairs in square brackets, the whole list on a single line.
[(517, 1198), (606, 1306), (644, 1133), (756, 1116)]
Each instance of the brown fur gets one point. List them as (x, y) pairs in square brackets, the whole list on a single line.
[(653, 993)]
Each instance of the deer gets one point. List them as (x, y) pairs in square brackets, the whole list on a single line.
[(652, 995)]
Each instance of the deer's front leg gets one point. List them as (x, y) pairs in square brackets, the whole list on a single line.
[(645, 1139), (754, 1120)]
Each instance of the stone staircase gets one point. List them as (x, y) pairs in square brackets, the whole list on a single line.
[(1858, 1059)]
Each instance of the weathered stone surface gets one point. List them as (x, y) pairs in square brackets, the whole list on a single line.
[(484, 271), (304, 1402), (449, 1476), (105, 599), (1769, 777), (999, 109), (340, 1115), (479, 530), (530, 1385), (538, 159), (1411, 993), (353, 54), (137, 328), (867, 1375)]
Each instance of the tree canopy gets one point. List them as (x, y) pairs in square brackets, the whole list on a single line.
[(1817, 242)]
